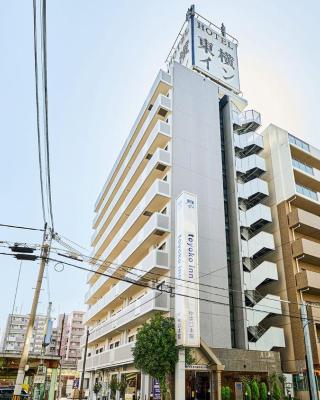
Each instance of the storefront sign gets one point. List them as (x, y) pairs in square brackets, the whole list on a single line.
[(202, 367), (187, 272), (208, 49), (39, 379), (156, 390)]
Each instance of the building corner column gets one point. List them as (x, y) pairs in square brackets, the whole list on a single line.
[(218, 379), (180, 376)]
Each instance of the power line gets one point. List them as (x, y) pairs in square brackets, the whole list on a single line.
[(21, 227), (35, 45), (171, 292), (45, 88)]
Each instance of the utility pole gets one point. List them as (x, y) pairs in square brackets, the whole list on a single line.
[(84, 365), (45, 249), (59, 353), (310, 370)]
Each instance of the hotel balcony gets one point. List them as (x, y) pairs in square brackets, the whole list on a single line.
[(154, 200), (257, 246), (137, 176), (156, 229), (161, 107), (128, 196), (250, 167), (305, 223), (247, 121), (134, 314), (109, 358), (308, 280), (306, 250), (253, 192), (265, 272), (269, 304), (155, 263), (256, 217), (271, 338), (248, 144), (161, 85)]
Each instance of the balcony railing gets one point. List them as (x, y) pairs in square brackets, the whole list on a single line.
[(160, 85), (136, 312), (162, 103), (156, 262), (155, 199), (156, 227), (158, 137), (108, 358)]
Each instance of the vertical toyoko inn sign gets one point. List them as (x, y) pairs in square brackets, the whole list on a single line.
[(187, 271), (208, 49)]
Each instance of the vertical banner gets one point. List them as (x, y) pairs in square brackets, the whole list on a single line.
[(187, 271)]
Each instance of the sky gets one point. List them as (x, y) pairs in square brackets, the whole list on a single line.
[(103, 56)]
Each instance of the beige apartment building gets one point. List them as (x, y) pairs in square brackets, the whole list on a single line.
[(294, 182)]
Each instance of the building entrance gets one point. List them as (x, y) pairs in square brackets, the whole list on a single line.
[(198, 385)]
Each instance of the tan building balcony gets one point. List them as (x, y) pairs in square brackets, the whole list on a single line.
[(307, 250), (118, 356), (159, 112), (308, 280), (154, 231), (134, 314), (304, 222)]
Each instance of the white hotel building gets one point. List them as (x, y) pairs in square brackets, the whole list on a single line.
[(193, 134)]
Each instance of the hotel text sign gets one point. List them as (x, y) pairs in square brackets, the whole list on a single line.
[(204, 49), (187, 272)]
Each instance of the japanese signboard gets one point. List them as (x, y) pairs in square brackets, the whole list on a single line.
[(203, 48), (187, 272)]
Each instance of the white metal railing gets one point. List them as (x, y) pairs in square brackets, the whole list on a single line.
[(162, 77), (151, 301), (156, 222), (161, 102), (158, 188), (161, 129), (251, 247), (108, 358), (156, 259)]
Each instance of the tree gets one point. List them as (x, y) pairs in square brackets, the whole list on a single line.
[(255, 390), (113, 386), (155, 351), (263, 391), (97, 387)]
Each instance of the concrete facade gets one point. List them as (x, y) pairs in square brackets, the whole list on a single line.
[(14, 333)]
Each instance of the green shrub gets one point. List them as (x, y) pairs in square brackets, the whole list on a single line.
[(263, 391), (276, 391), (247, 389), (223, 393), (228, 393), (255, 390)]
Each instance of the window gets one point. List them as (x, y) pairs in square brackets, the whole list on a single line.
[(101, 350), (302, 166), (131, 338), (117, 344), (300, 143), (306, 192), (111, 346)]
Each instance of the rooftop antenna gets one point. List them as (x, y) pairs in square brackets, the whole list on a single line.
[(223, 30), (190, 12)]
